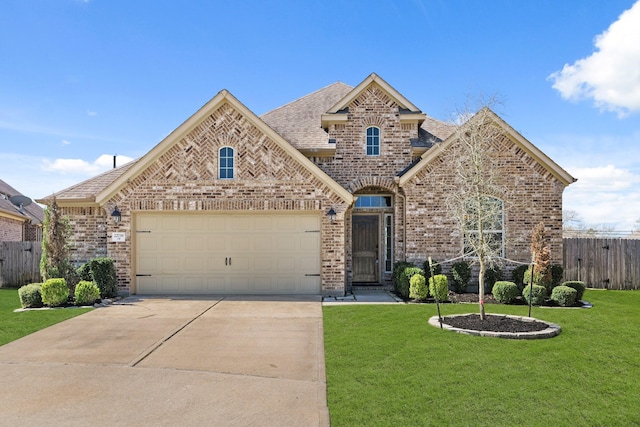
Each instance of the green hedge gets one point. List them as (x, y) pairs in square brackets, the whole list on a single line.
[(86, 293), (104, 276), (55, 292), (437, 268), (439, 287), (460, 274), (418, 287), (30, 295), (538, 295), (564, 295), (517, 275), (492, 275), (505, 292), (578, 286)]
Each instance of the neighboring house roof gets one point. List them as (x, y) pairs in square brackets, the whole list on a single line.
[(546, 162), (32, 212)]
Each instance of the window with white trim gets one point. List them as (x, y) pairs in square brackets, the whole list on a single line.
[(373, 141), (487, 215), (226, 166)]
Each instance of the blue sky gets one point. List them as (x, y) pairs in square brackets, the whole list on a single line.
[(82, 80)]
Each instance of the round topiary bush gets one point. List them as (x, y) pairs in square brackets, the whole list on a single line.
[(578, 286), (55, 292), (30, 296), (537, 296), (86, 293), (418, 287), (439, 287), (564, 295), (505, 292)]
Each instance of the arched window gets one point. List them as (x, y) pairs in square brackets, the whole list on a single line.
[(488, 215), (226, 163), (373, 141)]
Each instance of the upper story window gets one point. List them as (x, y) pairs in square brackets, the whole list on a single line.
[(226, 165), (373, 141)]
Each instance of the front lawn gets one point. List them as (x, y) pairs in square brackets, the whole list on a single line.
[(16, 325), (387, 367)]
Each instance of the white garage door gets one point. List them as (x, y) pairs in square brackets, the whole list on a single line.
[(249, 253)]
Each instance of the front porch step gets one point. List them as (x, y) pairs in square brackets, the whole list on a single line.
[(376, 287)]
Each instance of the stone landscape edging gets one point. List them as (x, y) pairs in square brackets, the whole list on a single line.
[(551, 331)]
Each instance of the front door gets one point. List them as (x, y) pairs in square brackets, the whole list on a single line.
[(366, 231)]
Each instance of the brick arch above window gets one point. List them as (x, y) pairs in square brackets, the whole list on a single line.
[(373, 121), (358, 184)]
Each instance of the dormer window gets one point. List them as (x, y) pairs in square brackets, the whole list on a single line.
[(226, 163), (373, 141)]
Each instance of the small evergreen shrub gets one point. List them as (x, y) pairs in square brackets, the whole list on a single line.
[(491, 276), (537, 296), (517, 275), (578, 286), (398, 273), (84, 272), (460, 273), (405, 280), (86, 293), (437, 268), (418, 287), (55, 292), (30, 296), (104, 276), (505, 292), (557, 272), (564, 295), (439, 287)]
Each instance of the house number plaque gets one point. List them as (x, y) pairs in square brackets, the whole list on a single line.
[(118, 237)]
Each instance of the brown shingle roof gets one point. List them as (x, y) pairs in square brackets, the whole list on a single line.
[(299, 121), (33, 211), (87, 190), (440, 130)]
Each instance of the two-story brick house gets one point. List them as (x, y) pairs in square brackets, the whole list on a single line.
[(327, 191)]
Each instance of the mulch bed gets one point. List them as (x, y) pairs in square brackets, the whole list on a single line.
[(493, 323)]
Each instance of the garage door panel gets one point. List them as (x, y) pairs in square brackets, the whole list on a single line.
[(228, 253)]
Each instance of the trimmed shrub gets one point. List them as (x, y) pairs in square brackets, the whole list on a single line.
[(104, 276), (505, 292), (557, 272), (418, 287), (578, 286), (86, 293), (460, 273), (517, 275), (84, 272), (55, 292), (398, 273), (538, 295), (564, 295), (439, 287), (405, 280), (437, 268), (30, 295), (491, 276)]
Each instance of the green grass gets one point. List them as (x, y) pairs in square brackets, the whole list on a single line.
[(17, 325), (387, 367)]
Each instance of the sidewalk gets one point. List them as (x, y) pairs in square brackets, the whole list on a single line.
[(364, 297)]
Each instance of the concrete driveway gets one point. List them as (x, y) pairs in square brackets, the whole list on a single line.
[(226, 361)]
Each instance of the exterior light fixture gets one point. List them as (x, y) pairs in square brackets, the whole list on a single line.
[(116, 215), (332, 215)]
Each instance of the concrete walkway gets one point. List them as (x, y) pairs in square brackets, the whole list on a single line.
[(364, 297), (228, 361)]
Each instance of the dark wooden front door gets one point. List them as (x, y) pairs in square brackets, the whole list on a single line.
[(366, 230)]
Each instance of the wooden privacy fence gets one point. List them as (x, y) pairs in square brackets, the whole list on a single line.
[(19, 263), (603, 263)]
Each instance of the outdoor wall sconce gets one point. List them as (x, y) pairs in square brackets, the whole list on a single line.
[(332, 215), (116, 215)]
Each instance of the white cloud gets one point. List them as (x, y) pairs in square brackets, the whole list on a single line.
[(91, 113), (605, 195), (65, 142), (610, 76), (83, 167)]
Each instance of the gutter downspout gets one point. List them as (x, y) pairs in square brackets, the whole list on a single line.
[(400, 193)]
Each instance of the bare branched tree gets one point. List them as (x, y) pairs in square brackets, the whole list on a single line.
[(476, 198)]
